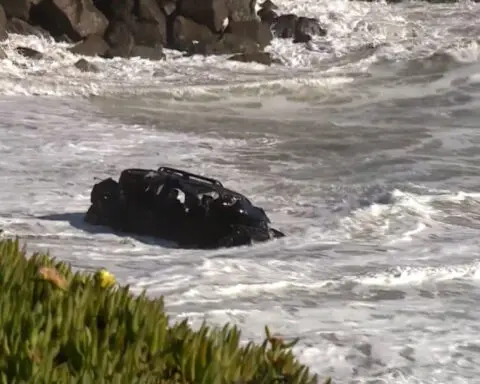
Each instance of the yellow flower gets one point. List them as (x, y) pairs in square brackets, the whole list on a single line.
[(105, 278)]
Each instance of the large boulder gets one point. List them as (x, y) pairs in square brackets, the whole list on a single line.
[(91, 46), (267, 13), (167, 6), (284, 26), (3, 24), (252, 29), (150, 53), (241, 10), (227, 44), (211, 13), (19, 8), (120, 39), (150, 33), (3, 18), (186, 33), (309, 26), (77, 19), (21, 27), (149, 10), (116, 10)]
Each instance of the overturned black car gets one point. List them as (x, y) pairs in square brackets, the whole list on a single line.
[(191, 210)]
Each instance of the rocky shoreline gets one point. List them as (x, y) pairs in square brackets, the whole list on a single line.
[(143, 28)]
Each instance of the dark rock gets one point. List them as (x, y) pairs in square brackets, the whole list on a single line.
[(309, 26), (268, 16), (18, 26), (3, 55), (85, 66), (167, 6), (211, 13), (301, 37), (146, 202), (241, 10), (117, 9), (227, 44), (120, 39), (91, 46), (149, 10), (186, 32), (268, 5), (259, 57), (19, 8), (150, 33), (150, 53), (75, 18), (253, 30), (3, 18), (284, 26), (3, 25), (64, 39), (29, 52)]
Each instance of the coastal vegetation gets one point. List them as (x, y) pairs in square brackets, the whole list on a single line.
[(59, 326)]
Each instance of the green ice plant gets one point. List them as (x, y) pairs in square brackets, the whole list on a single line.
[(57, 326)]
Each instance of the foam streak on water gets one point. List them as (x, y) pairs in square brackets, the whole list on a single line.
[(362, 147)]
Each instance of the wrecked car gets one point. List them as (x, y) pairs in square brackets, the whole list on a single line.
[(191, 210)]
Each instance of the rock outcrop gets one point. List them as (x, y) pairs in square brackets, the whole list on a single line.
[(143, 28)]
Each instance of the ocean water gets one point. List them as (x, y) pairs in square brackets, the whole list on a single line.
[(362, 146)]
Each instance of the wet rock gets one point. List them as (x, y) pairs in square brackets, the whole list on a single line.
[(77, 19), (227, 44), (85, 66), (267, 16), (186, 32), (29, 52), (168, 6), (284, 26), (150, 53), (269, 5), (120, 39), (3, 55), (21, 27), (301, 37), (149, 10), (150, 33), (259, 57), (211, 13), (253, 30), (19, 8), (3, 24), (116, 10), (122, 28), (91, 46), (3, 18), (64, 39), (309, 26), (241, 10)]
